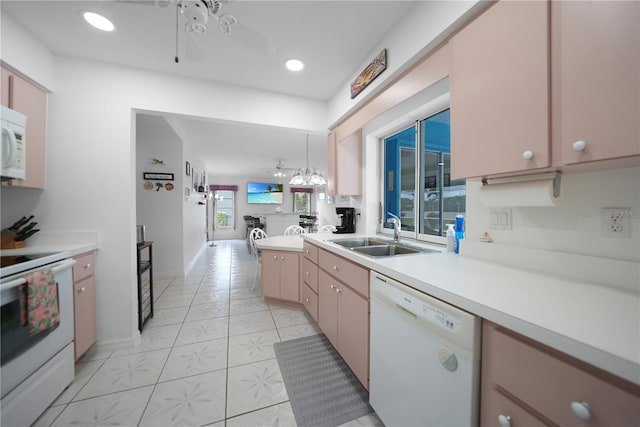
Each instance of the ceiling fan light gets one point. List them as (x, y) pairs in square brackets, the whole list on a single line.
[(294, 64), (98, 21)]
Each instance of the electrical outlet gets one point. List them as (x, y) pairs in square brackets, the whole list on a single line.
[(616, 222)]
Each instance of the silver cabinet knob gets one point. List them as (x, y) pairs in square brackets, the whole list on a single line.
[(82, 289), (307, 300), (336, 268), (307, 250), (275, 257), (527, 155), (504, 420), (86, 266), (333, 286), (308, 274), (579, 145), (581, 410), (338, 291), (282, 258)]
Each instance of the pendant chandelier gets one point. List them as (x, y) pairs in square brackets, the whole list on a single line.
[(309, 175)]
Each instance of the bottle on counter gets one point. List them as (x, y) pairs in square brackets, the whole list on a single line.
[(451, 238), (459, 231)]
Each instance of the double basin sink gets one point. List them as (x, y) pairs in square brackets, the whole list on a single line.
[(377, 248)]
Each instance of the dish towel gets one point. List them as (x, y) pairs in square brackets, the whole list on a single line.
[(39, 307)]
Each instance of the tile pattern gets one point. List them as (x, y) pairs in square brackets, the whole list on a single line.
[(205, 358)]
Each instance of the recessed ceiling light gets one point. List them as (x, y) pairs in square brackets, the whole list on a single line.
[(294, 64), (98, 21)]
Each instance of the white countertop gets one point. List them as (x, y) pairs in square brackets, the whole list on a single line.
[(75, 243), (281, 243), (594, 323)]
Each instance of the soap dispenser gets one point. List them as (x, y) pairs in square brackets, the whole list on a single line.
[(459, 231), (451, 238)]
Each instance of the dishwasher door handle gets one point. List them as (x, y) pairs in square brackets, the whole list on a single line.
[(406, 310)]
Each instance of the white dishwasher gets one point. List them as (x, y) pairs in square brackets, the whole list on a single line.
[(424, 359)]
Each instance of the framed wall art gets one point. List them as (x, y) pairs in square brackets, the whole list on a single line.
[(373, 70)]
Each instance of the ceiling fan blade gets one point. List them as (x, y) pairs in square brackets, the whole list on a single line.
[(246, 35)]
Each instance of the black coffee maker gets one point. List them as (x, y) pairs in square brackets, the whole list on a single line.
[(347, 220)]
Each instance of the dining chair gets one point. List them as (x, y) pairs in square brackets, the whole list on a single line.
[(294, 230), (256, 234)]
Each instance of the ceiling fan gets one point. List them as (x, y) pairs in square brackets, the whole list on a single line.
[(280, 170), (197, 14)]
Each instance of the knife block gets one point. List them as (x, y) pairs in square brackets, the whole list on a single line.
[(8, 240)]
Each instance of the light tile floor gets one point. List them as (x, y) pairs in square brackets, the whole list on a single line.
[(206, 357)]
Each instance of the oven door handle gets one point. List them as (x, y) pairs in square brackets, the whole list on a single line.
[(21, 280)]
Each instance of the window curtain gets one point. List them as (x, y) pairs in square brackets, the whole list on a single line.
[(302, 189), (223, 187)]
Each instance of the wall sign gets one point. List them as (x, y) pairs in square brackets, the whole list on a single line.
[(157, 176)]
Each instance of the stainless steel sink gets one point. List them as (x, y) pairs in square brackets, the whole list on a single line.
[(377, 248), (359, 242), (384, 250)]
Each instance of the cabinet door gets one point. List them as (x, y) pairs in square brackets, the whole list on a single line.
[(84, 306), (289, 276), (353, 332), (328, 307), (596, 75), (31, 101), (270, 266), (500, 91)]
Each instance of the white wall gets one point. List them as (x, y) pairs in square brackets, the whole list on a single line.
[(158, 209), (21, 51), (575, 225)]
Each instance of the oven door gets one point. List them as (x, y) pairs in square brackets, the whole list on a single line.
[(22, 354)]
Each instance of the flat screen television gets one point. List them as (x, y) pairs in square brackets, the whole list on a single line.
[(264, 193)]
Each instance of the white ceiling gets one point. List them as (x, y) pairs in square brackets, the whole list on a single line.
[(333, 38)]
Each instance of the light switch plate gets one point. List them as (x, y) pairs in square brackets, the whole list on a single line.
[(500, 219)]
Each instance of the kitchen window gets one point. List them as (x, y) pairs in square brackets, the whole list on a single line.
[(224, 212), (426, 173)]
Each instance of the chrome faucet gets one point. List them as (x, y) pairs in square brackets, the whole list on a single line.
[(395, 221)]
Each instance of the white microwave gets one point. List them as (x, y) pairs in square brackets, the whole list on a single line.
[(14, 144)]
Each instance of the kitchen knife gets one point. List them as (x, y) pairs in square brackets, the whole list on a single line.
[(20, 223), (27, 228), (27, 235)]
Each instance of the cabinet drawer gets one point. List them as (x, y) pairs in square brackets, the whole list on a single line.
[(310, 301), (310, 274), (85, 266), (310, 252), (349, 273), (499, 406), (549, 383)]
